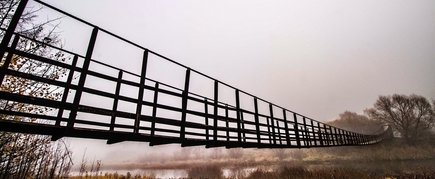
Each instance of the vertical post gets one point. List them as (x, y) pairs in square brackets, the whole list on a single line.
[(366, 139), (216, 99), (307, 135), (257, 122), (8, 58), (66, 90), (356, 139), (12, 26), (184, 105), (115, 100), (337, 135), (268, 130), (320, 134), (156, 96), (328, 142), (296, 129), (340, 133), (313, 132), (239, 134), (243, 126), (325, 135), (206, 119), (82, 79), (279, 132), (352, 138), (141, 91), (332, 136), (362, 139), (226, 121), (287, 135), (273, 123), (343, 137)]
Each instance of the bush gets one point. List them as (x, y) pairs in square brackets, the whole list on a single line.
[(209, 172)]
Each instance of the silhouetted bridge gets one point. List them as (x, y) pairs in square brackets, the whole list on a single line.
[(200, 120)]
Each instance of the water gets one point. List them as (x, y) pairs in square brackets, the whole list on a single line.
[(157, 173), (378, 166)]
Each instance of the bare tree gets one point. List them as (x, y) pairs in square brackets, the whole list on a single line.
[(23, 155), (357, 123), (412, 116)]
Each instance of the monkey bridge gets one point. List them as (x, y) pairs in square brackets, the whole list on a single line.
[(228, 117)]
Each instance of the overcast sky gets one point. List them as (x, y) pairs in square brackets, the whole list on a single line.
[(316, 57)]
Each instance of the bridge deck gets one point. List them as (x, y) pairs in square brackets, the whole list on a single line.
[(81, 108)]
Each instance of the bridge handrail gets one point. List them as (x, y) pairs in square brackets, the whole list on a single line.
[(303, 128)]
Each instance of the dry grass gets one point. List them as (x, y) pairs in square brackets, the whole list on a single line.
[(299, 172), (209, 172), (393, 150), (114, 176), (389, 159)]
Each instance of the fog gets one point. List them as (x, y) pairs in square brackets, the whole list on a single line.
[(318, 58)]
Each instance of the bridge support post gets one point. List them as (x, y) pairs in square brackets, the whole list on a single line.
[(331, 136), (272, 122), (227, 123), (184, 106), (287, 135), (257, 122), (307, 139), (66, 90), (268, 131), (279, 132), (242, 120), (352, 138), (343, 137), (153, 120), (207, 130), (115, 101), (141, 92), (239, 126), (296, 129), (207, 135), (320, 134), (316, 139), (215, 109), (357, 140), (82, 79)]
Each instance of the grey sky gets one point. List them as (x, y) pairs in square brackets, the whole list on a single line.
[(316, 57)]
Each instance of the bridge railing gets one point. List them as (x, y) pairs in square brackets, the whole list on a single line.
[(85, 109)]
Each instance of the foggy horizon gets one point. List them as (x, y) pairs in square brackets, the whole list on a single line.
[(317, 58), (355, 55)]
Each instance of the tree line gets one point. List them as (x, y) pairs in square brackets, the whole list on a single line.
[(25, 155), (412, 117)]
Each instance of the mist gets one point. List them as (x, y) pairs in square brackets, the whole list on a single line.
[(318, 58)]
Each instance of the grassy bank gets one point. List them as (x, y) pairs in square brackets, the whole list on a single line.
[(392, 158)]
